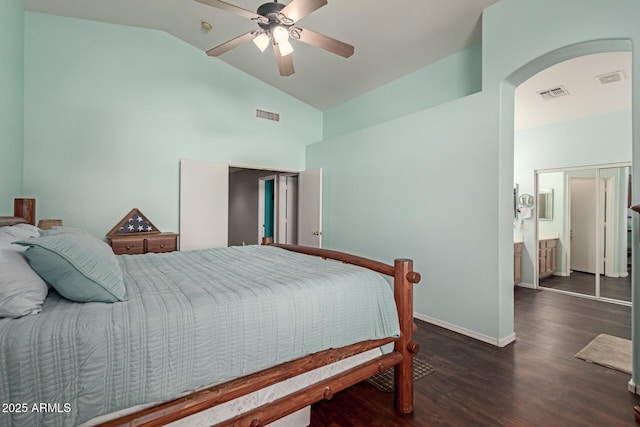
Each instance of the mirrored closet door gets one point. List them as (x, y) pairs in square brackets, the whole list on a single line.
[(584, 231)]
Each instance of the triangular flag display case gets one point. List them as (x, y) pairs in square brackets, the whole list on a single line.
[(133, 223)]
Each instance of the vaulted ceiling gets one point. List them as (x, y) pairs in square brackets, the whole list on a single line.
[(391, 38)]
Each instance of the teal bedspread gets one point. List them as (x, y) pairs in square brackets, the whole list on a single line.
[(192, 319)]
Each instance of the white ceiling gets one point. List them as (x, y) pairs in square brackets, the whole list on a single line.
[(391, 38), (587, 96)]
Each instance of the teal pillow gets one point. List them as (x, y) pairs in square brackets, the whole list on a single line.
[(78, 265)]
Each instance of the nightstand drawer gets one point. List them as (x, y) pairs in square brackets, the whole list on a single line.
[(127, 246), (161, 243)]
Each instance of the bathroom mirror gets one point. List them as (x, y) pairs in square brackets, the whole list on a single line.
[(545, 204), (525, 200)]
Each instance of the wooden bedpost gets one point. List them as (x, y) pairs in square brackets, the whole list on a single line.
[(404, 278), (267, 240)]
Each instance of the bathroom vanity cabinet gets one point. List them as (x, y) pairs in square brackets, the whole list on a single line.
[(517, 263), (547, 257)]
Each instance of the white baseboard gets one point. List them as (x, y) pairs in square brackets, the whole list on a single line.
[(619, 275), (526, 285), (632, 388), (464, 331)]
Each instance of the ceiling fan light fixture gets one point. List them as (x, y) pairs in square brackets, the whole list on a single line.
[(285, 48), (280, 34), (276, 25), (262, 41)]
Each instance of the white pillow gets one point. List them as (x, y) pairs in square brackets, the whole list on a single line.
[(22, 291), (18, 232)]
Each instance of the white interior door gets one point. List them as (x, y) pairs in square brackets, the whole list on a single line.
[(310, 208), (204, 205), (583, 224), (287, 208)]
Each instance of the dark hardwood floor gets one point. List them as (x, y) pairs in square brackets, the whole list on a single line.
[(585, 283), (535, 381)]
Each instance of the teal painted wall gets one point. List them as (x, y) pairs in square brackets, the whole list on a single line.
[(451, 78), (421, 187), (268, 208), (11, 102), (111, 110), (594, 140), (445, 174)]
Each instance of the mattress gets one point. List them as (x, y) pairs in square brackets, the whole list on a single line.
[(240, 405), (192, 319)]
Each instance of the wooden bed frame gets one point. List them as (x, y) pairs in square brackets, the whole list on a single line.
[(401, 357)]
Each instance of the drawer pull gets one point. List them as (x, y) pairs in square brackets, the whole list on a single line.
[(162, 245), (128, 247)]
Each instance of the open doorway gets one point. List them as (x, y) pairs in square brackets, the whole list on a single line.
[(219, 202), (278, 208), (568, 117), (262, 203), (283, 205)]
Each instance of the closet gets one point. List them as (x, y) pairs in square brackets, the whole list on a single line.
[(590, 230)]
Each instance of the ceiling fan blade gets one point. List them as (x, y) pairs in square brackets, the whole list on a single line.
[(323, 42), (231, 8), (298, 9), (227, 46), (285, 63)]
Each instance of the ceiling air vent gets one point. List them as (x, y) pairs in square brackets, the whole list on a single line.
[(268, 115), (615, 76), (553, 93)]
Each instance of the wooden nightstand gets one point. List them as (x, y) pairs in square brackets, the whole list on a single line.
[(131, 244)]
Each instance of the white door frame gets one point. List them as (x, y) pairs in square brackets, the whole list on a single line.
[(607, 247), (261, 203), (287, 201)]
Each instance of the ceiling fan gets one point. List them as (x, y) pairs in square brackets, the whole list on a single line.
[(276, 22)]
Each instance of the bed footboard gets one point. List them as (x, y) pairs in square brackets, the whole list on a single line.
[(402, 358), (404, 279)]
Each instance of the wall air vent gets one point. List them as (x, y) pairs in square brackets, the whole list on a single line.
[(615, 76), (553, 93), (267, 115)]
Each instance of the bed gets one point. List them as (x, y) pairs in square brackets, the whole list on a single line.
[(196, 330)]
